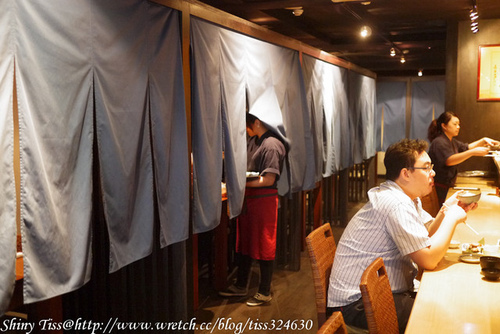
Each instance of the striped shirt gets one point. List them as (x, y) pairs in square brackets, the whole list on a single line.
[(390, 226)]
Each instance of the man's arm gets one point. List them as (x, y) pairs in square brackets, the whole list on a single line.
[(429, 257)]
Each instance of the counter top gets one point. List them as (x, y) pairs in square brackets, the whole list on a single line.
[(455, 297)]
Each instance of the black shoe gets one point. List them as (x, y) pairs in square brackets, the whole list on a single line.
[(234, 291)]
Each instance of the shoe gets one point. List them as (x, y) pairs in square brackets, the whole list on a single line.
[(259, 299), (234, 291)]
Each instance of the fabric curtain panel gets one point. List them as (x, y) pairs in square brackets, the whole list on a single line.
[(340, 115), (229, 69), (207, 127), (361, 117), (391, 113), (276, 95), (312, 69), (8, 193), (427, 103), (138, 80), (327, 88), (54, 88), (169, 124), (127, 55)]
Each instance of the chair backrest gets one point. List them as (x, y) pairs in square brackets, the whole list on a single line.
[(321, 248), (430, 203), (334, 325), (378, 300)]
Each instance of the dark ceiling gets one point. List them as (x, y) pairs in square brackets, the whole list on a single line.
[(415, 28)]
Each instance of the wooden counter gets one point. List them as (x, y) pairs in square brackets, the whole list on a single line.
[(455, 298)]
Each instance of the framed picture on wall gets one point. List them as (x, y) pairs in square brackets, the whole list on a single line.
[(488, 77)]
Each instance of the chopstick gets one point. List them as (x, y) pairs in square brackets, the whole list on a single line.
[(473, 230)]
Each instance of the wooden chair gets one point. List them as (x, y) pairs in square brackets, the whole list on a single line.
[(321, 248), (334, 325), (378, 300), (430, 203)]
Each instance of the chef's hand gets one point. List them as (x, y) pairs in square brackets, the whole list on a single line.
[(491, 142), (480, 151)]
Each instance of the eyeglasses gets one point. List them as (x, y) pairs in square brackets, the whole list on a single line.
[(426, 168)]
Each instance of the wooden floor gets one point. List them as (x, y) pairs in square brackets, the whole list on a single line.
[(293, 301)]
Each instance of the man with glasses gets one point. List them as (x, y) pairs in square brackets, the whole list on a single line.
[(393, 226)]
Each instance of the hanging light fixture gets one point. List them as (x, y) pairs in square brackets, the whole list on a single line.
[(393, 52), (365, 31), (402, 60), (420, 73)]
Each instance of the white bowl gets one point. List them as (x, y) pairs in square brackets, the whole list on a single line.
[(469, 196)]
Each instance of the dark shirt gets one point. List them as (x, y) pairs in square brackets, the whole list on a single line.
[(440, 150), (265, 155)]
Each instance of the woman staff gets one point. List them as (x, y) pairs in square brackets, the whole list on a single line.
[(447, 152), (256, 226)]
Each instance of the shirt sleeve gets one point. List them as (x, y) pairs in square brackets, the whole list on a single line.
[(461, 146), (273, 155)]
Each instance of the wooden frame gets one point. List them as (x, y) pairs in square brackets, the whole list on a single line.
[(488, 75)]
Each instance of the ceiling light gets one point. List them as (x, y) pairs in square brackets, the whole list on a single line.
[(474, 16), (365, 31), (297, 11), (403, 59), (420, 73), (393, 52)]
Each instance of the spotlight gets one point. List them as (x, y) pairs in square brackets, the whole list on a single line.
[(297, 11), (420, 73), (393, 52), (365, 31), (402, 60)]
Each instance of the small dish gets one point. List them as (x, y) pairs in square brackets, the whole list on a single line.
[(470, 258)]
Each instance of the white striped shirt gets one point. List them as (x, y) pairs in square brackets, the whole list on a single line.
[(390, 226)]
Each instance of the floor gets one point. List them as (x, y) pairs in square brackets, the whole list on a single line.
[(292, 309)]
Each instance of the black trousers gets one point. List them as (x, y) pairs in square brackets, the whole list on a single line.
[(266, 273), (354, 314)]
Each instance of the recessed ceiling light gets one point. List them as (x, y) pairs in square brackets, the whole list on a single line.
[(365, 31)]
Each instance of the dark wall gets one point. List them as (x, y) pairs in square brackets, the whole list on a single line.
[(477, 118)]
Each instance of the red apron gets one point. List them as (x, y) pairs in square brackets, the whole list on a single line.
[(256, 226)]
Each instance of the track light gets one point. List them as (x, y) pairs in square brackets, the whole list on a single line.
[(296, 11), (474, 16)]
